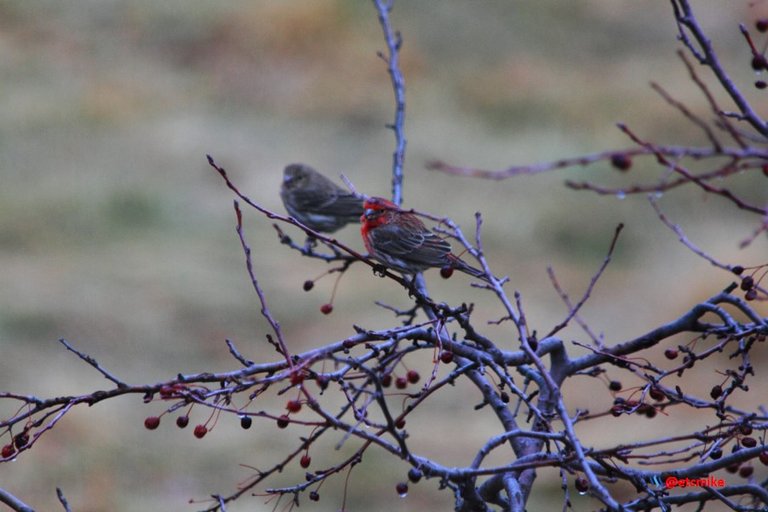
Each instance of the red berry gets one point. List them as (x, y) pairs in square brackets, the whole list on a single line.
[(386, 380), (745, 429), (308, 285), (293, 406), (621, 161), (297, 378), (413, 376), (746, 471), (446, 357), (401, 383), (326, 309), (200, 431), (446, 272), (283, 421), (9, 450), (657, 394), (305, 460), (750, 294), (763, 457), (402, 489), (761, 25), (152, 422), (670, 353), (616, 410)]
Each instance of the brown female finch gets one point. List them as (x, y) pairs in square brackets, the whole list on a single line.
[(316, 201), (400, 241)]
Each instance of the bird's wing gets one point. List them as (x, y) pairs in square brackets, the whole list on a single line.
[(420, 247), (341, 203)]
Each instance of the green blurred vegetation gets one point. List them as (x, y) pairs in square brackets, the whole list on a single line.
[(115, 233)]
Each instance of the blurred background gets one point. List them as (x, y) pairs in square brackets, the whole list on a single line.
[(116, 235)]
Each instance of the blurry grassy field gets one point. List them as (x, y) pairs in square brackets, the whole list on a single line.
[(115, 233)]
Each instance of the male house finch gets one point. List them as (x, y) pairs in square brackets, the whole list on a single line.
[(316, 201), (400, 241)]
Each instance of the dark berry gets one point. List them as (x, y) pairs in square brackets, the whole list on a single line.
[(414, 475), (759, 63), (670, 353), (200, 431), (763, 457), (750, 294), (386, 380), (305, 460), (314, 496), (402, 488), (621, 161), (152, 422), (745, 429), (733, 468), (716, 391), (182, 421), (614, 385), (748, 442), (581, 484), (322, 381), (747, 282), (746, 471), (446, 356), (446, 272), (413, 376), (737, 269), (283, 421), (760, 84), (400, 423), (246, 422), (308, 285), (347, 344), (657, 394), (326, 309), (504, 397), (616, 410), (761, 25), (21, 440), (716, 454), (401, 383)]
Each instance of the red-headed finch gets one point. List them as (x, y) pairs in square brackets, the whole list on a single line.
[(400, 240), (316, 201)]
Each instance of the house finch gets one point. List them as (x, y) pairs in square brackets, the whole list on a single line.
[(400, 241), (316, 201)]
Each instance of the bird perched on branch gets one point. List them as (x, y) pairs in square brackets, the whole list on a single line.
[(316, 201), (400, 240)]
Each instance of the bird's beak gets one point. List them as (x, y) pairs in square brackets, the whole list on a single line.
[(368, 213)]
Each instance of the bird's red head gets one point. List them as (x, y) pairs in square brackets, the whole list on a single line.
[(373, 208)]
